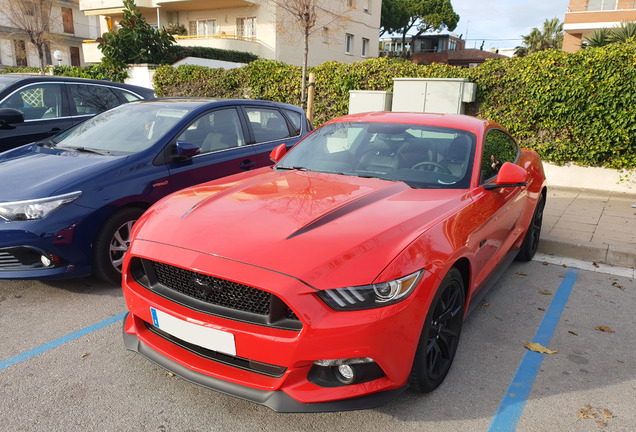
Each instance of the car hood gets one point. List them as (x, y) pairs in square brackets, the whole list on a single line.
[(32, 171), (316, 227)]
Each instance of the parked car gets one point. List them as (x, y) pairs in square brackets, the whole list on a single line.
[(341, 275), (51, 104), (67, 204)]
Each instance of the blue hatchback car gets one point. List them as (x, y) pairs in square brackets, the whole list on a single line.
[(67, 204)]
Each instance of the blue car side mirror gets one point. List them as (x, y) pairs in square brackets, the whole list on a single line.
[(187, 150)]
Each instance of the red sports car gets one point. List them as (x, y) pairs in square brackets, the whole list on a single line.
[(341, 275)]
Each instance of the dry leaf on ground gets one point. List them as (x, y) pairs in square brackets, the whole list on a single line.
[(533, 346), (571, 332), (544, 292), (604, 329), (521, 274)]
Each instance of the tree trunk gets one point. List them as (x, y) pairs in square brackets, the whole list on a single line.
[(39, 45), (303, 89)]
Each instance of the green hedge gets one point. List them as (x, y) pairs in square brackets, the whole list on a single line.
[(97, 72), (178, 52), (20, 69), (575, 107)]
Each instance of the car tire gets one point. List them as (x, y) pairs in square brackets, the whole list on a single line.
[(440, 334), (112, 243), (531, 240)]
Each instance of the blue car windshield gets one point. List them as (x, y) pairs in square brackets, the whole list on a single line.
[(418, 155), (128, 128)]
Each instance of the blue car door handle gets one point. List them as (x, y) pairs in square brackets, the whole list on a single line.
[(247, 164)]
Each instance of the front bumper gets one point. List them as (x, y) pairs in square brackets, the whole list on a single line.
[(387, 335), (276, 400), (59, 237)]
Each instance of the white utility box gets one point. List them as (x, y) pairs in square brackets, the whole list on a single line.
[(361, 101), (432, 95)]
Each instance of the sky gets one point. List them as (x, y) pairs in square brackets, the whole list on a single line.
[(502, 22)]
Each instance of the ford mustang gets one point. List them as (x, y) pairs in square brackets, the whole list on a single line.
[(341, 275)]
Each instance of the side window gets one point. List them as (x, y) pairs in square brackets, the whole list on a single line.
[(296, 120), (127, 96), (217, 130), (36, 101), (92, 99), (267, 124), (498, 149)]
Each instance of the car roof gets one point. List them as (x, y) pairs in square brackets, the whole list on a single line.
[(191, 102), (15, 79), (455, 121)]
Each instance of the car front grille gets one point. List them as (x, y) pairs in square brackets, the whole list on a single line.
[(213, 295), (20, 258)]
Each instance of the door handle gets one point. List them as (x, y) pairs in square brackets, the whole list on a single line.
[(55, 129), (247, 164)]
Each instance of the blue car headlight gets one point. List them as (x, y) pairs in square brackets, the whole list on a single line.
[(371, 296), (35, 209)]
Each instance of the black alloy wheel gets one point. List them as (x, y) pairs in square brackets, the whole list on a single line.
[(440, 335), (531, 240)]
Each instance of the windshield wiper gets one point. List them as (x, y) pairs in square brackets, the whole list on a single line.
[(88, 150), (296, 168)]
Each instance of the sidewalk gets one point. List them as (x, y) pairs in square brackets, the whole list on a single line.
[(590, 225)]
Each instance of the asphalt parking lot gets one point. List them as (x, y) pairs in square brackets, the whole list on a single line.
[(63, 365)]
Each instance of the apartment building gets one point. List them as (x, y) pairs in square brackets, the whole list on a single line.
[(584, 17), (345, 30), (68, 29)]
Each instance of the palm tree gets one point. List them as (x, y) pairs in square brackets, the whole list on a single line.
[(599, 38), (550, 38), (625, 32)]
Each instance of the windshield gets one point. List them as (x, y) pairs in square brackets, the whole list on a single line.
[(421, 156), (129, 128)]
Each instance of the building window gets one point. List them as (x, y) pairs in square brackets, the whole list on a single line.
[(67, 20), (202, 28), (348, 43), (20, 53), (350, 3), (601, 5), (75, 56), (246, 27), (365, 47), (366, 6)]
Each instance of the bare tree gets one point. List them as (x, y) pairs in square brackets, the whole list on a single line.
[(307, 16), (34, 18)]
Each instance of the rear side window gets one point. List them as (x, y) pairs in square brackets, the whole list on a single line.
[(267, 124), (499, 148), (127, 96), (296, 120), (92, 99)]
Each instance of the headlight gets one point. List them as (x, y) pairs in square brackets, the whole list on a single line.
[(371, 296), (35, 209)]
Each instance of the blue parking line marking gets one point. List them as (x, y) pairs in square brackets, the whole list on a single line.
[(514, 401), (60, 341)]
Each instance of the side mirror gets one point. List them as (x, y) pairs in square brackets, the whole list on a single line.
[(510, 175), (10, 116), (187, 150), (278, 153)]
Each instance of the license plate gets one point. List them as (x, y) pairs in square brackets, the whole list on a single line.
[(212, 339)]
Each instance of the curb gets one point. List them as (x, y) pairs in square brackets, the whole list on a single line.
[(587, 251)]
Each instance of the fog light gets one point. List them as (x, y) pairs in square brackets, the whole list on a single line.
[(45, 260), (345, 374)]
